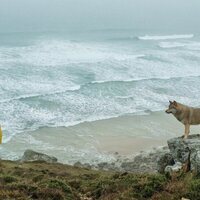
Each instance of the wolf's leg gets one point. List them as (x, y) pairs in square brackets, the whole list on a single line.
[(187, 131)]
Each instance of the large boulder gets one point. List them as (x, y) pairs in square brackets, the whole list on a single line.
[(30, 156), (184, 151)]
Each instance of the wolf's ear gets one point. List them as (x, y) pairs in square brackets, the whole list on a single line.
[(175, 103), (170, 102)]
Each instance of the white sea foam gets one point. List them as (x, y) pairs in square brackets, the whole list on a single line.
[(186, 45), (165, 37), (172, 44), (62, 83)]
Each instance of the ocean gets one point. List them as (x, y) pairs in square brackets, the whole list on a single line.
[(62, 79)]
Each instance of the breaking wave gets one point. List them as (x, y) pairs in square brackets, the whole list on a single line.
[(165, 37), (185, 45), (61, 82)]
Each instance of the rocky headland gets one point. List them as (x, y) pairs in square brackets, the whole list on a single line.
[(170, 172)]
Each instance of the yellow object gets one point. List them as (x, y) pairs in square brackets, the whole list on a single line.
[(1, 135)]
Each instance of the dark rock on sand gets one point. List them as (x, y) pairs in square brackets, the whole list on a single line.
[(30, 155)]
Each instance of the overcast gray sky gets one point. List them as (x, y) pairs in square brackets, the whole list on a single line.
[(20, 15)]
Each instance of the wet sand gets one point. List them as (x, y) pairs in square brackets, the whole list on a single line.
[(99, 140)]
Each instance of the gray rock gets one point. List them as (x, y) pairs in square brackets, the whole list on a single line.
[(164, 161), (108, 166), (103, 165), (195, 162), (30, 156), (80, 165), (186, 151), (145, 162), (129, 166), (173, 168)]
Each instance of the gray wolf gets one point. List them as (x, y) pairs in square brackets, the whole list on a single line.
[(185, 114)]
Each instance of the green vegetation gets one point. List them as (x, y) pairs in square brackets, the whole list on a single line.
[(194, 189), (39, 180)]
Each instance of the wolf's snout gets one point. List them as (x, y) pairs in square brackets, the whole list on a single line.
[(167, 111)]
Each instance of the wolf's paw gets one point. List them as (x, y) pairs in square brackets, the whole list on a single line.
[(183, 137)]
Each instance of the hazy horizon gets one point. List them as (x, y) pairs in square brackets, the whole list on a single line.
[(52, 15)]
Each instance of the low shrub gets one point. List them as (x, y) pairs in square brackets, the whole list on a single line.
[(194, 189)]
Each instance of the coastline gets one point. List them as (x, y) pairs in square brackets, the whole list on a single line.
[(98, 141), (40, 176)]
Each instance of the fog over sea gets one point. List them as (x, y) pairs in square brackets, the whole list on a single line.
[(56, 79)]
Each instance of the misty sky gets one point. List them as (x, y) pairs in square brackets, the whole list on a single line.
[(20, 15)]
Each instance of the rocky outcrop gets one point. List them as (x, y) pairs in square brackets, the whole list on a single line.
[(164, 161), (80, 165), (180, 154), (143, 162), (185, 153), (173, 168), (30, 156)]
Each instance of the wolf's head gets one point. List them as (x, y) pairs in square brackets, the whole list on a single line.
[(173, 107)]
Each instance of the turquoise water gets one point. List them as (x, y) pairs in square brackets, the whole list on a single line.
[(62, 79)]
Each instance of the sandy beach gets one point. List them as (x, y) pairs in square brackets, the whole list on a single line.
[(98, 141)]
